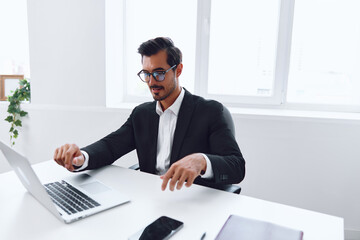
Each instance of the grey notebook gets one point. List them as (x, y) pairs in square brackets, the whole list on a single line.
[(237, 227)]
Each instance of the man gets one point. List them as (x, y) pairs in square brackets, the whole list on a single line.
[(180, 136)]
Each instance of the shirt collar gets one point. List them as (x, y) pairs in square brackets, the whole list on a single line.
[(175, 107)]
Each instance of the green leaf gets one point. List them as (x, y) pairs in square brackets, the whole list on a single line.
[(15, 99), (23, 113), (18, 123), (11, 109), (22, 82), (9, 119)]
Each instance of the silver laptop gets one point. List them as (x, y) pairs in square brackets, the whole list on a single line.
[(70, 199)]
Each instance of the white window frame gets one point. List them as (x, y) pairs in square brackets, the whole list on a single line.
[(114, 52), (116, 55), (286, 14)]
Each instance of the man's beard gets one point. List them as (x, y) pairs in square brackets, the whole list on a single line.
[(159, 98)]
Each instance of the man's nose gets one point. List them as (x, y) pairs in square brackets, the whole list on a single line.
[(152, 80)]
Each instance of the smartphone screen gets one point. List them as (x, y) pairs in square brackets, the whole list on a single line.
[(162, 228)]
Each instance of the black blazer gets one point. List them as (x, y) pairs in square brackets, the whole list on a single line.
[(200, 128)]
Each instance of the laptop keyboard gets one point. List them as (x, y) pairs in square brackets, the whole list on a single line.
[(68, 198)]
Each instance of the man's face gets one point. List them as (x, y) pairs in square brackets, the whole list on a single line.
[(157, 62)]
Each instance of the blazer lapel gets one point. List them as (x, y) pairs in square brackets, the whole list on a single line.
[(182, 124), (153, 133)]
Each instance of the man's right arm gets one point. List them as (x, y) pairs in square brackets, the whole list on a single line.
[(111, 147), (103, 152)]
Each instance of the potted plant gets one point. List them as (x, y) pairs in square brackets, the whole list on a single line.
[(15, 113)]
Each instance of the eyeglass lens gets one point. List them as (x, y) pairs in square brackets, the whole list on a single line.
[(159, 76)]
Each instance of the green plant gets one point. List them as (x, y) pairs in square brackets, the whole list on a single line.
[(19, 95)]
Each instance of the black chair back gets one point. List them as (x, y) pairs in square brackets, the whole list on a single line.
[(229, 120), (227, 115)]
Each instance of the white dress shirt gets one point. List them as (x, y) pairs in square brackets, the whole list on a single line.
[(167, 125)]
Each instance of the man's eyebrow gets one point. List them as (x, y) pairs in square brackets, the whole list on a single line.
[(154, 70), (158, 69)]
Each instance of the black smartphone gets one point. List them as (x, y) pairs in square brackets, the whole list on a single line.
[(161, 229)]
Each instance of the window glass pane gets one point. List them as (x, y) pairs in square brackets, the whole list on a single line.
[(10, 85), (166, 18), (325, 54), (243, 36), (14, 40)]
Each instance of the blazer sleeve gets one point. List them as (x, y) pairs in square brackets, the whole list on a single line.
[(112, 147), (225, 156)]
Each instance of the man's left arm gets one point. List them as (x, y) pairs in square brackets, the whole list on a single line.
[(227, 162)]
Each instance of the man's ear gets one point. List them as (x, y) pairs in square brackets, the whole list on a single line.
[(179, 69)]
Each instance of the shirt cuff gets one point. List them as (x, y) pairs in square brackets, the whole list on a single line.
[(86, 162), (209, 172)]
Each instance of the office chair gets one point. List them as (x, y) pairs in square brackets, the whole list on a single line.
[(227, 187)]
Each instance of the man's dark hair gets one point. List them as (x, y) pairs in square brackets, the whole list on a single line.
[(153, 46)]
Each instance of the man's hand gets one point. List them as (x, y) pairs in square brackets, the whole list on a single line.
[(186, 169), (68, 156)]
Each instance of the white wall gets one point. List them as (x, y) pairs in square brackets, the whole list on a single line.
[(67, 52), (308, 162), (49, 126)]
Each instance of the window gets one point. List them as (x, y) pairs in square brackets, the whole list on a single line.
[(246, 53), (242, 49), (143, 20), (14, 47), (8, 83), (325, 54), (149, 19)]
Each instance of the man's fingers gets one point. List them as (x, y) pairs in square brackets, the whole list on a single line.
[(68, 156), (55, 154), (68, 153), (58, 156), (78, 161), (190, 180), (64, 156), (174, 179), (181, 182), (165, 181), (185, 170), (59, 162), (166, 178)]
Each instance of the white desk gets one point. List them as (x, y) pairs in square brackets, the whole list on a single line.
[(201, 209)]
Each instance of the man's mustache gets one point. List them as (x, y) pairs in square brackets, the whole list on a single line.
[(156, 86)]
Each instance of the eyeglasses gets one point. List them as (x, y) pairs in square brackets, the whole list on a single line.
[(157, 75)]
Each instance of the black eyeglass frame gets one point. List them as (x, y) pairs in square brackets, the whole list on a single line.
[(155, 74)]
